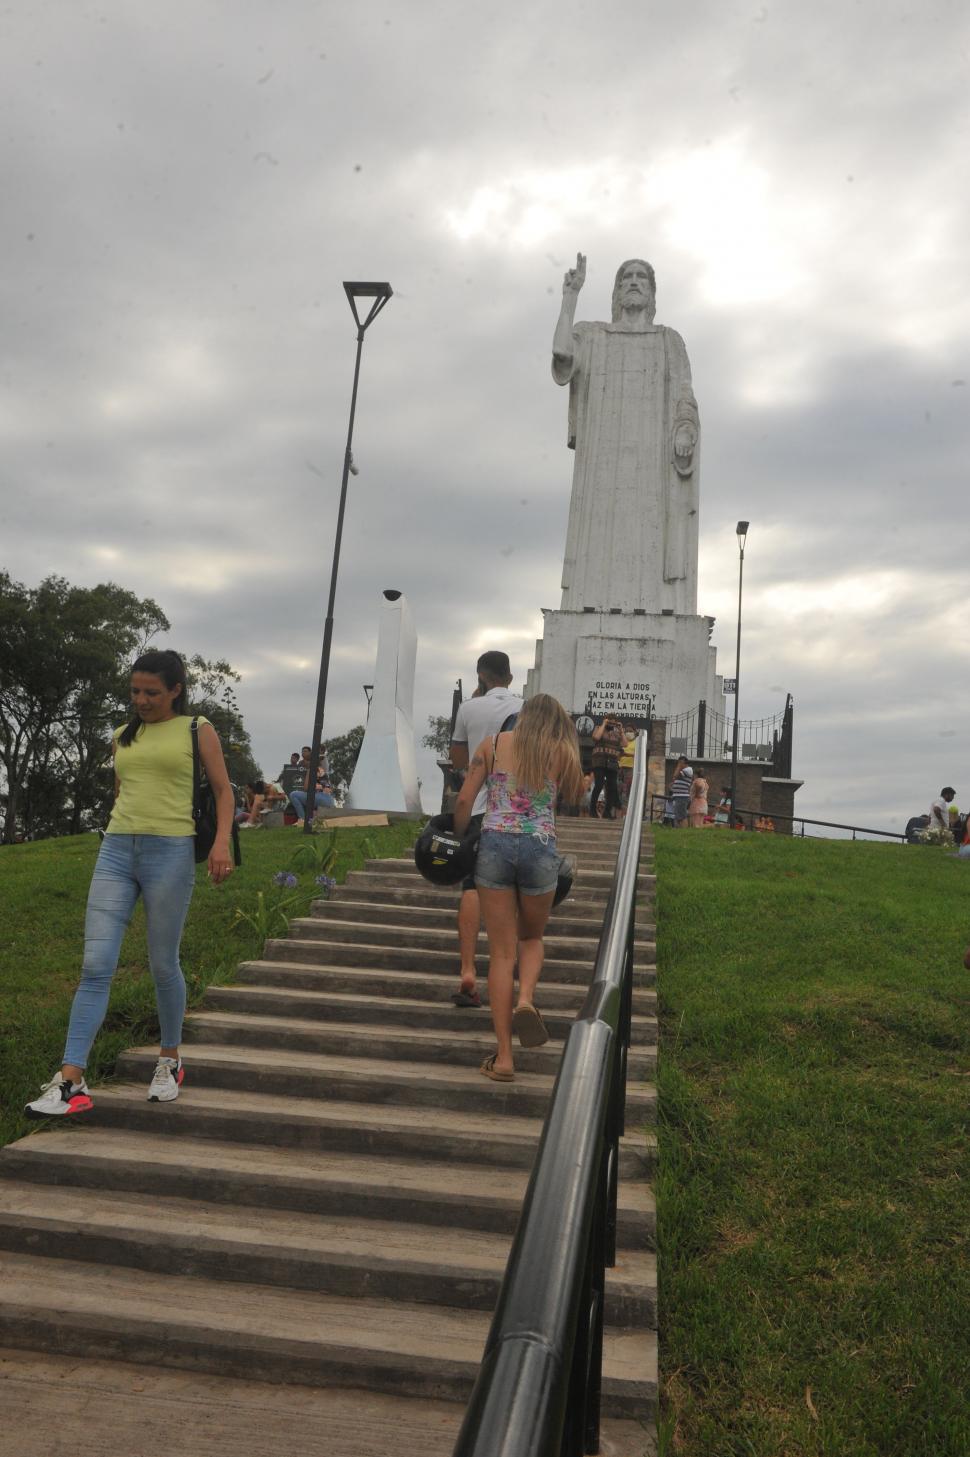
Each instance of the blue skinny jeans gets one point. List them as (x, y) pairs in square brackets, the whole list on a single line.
[(160, 868), (298, 798)]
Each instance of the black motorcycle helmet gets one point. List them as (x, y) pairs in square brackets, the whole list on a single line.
[(443, 857), (567, 874)]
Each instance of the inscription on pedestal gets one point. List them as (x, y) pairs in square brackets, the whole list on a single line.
[(622, 697)]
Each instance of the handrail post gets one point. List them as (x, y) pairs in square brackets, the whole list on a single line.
[(598, 1261)]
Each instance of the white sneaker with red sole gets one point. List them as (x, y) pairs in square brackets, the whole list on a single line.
[(168, 1077), (60, 1097)]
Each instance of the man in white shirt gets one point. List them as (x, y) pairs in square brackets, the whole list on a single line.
[(477, 719), (940, 809)]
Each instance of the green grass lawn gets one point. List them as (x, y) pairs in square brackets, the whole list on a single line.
[(814, 1185), (43, 890)]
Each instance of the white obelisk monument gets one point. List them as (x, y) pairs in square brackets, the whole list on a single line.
[(627, 638), (386, 776)]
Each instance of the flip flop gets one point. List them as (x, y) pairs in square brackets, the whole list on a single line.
[(529, 1027), (489, 1070), (466, 999)]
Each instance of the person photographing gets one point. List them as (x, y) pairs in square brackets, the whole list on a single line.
[(609, 741)]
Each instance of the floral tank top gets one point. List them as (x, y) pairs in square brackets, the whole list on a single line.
[(515, 811)]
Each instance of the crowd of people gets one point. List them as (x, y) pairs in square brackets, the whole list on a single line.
[(945, 824), (289, 792)]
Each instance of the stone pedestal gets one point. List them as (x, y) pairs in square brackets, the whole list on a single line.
[(637, 665)]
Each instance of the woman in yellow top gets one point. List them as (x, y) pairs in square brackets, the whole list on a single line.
[(148, 850)]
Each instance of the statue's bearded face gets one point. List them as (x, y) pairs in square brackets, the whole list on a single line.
[(636, 289)]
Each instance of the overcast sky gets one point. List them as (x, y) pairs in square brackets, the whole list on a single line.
[(185, 186)]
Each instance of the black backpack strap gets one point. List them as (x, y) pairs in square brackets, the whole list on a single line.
[(509, 723), (196, 772), (197, 793)]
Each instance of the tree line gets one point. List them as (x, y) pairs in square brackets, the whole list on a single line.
[(65, 654)]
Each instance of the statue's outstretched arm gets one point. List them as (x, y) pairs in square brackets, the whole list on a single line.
[(562, 341)]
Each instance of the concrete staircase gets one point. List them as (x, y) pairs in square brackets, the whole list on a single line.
[(330, 1202)]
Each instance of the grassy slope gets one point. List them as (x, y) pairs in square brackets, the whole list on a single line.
[(43, 889), (814, 1191)]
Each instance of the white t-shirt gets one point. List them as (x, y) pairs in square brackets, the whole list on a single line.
[(939, 814), (478, 719)]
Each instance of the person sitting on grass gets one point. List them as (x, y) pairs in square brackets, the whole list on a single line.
[(940, 810), (517, 868), (260, 796), (322, 800)]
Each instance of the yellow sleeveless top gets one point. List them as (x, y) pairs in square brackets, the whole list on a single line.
[(155, 777)]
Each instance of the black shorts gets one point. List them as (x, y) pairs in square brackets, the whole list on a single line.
[(474, 826)]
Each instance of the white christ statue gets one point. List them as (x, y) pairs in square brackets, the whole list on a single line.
[(631, 543)]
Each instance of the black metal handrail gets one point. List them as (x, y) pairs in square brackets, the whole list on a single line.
[(756, 814), (538, 1388)]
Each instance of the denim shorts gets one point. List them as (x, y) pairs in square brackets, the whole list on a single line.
[(516, 862)]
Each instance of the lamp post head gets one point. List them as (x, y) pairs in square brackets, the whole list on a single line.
[(378, 293), (742, 529)]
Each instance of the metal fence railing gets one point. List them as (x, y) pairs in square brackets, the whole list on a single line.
[(749, 818), (538, 1388), (702, 732)]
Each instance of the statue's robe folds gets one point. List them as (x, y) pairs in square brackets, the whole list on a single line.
[(632, 537)]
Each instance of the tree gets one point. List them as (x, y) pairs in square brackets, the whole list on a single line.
[(438, 736), (342, 754), (211, 693), (63, 657), (65, 654)]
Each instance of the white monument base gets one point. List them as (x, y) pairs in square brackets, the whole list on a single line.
[(636, 665)]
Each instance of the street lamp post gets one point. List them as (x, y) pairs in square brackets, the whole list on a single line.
[(742, 529), (378, 294)]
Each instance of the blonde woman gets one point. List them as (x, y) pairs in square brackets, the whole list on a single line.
[(518, 864), (698, 811)]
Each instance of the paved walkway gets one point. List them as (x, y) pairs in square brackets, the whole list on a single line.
[(328, 1206)]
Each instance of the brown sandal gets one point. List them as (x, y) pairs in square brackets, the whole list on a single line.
[(489, 1070), (529, 1027)]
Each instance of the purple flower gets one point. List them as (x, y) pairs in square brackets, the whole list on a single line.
[(327, 881), (287, 878)]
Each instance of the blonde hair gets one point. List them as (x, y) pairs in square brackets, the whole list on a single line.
[(545, 746)]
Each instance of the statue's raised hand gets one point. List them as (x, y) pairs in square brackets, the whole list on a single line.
[(575, 277)]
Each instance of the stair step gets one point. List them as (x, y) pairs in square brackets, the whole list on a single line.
[(601, 868), (395, 1012), (411, 916), (358, 1258), (593, 886), (147, 1409), (439, 1048), (295, 1336), (244, 1116), (319, 951), (380, 899), (358, 1079), (361, 983), (392, 936), (351, 1185)]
